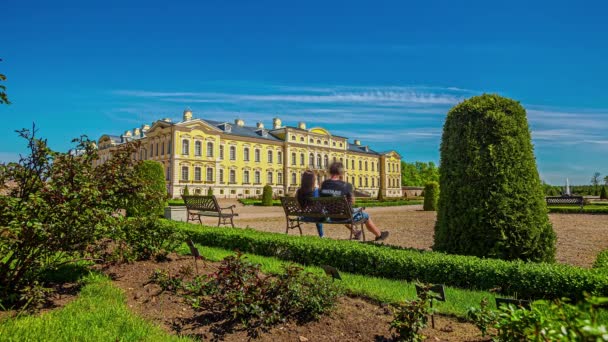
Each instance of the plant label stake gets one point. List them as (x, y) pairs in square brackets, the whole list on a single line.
[(332, 272), (437, 292), (195, 253), (519, 303)]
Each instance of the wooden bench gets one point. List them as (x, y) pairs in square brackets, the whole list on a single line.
[(198, 206), (326, 210), (565, 200)]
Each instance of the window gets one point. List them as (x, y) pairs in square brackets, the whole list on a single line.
[(185, 173), (319, 161), (269, 177), (318, 141), (151, 150), (301, 139), (373, 166), (373, 181), (360, 181), (352, 164), (246, 154), (366, 182), (185, 147), (280, 178), (366, 165), (325, 161), (169, 147), (311, 140), (232, 152), (246, 177), (221, 176), (256, 178), (232, 177), (302, 159), (280, 157), (360, 165), (209, 149), (352, 181), (293, 159), (256, 154), (198, 149), (221, 152), (311, 160), (157, 153), (293, 179), (270, 156), (340, 144), (334, 144), (326, 142), (162, 150), (293, 137), (209, 174), (168, 174), (197, 173), (197, 191), (342, 160)]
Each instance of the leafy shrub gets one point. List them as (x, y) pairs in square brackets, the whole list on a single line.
[(431, 197), (601, 260), (61, 204), (166, 281), (239, 291), (536, 280), (210, 192), (603, 194), (186, 191), (151, 200), (145, 238), (492, 203), (483, 317), (267, 196), (411, 316)]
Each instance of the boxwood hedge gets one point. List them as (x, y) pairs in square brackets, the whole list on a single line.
[(577, 210), (524, 279)]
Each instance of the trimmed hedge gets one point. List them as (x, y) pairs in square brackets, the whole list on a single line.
[(431, 190), (577, 210), (533, 280)]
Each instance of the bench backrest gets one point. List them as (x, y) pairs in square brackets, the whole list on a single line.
[(338, 208), (565, 200), (202, 203)]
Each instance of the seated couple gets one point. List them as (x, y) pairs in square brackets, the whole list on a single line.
[(334, 186)]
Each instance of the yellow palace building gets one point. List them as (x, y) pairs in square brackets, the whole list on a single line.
[(236, 160)]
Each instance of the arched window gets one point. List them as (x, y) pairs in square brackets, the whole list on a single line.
[(221, 176), (360, 165), (373, 168), (209, 174), (232, 177), (221, 152), (366, 165), (302, 159), (293, 137), (270, 156), (352, 164), (197, 173), (325, 161), (352, 181), (209, 149), (198, 149), (360, 182), (185, 173), (280, 178), (311, 161), (256, 154), (162, 149), (366, 182), (301, 139), (293, 159), (280, 157), (318, 141), (373, 182), (293, 179), (269, 177), (185, 147), (232, 152), (319, 161), (246, 154), (256, 176), (245, 177)]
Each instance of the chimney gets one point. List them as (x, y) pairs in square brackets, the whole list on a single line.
[(187, 114), (239, 122), (276, 123), (357, 142), (302, 125), (166, 120), (260, 125), (145, 128), (136, 132)]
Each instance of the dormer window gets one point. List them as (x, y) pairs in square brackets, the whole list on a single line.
[(226, 127)]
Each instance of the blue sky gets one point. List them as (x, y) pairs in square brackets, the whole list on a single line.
[(384, 72)]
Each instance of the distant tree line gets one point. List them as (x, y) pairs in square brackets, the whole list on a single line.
[(593, 189), (418, 173)]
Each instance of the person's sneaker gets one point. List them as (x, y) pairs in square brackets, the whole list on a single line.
[(382, 237), (357, 235)]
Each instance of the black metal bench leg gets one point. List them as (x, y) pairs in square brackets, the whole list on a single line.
[(231, 221), (363, 231)]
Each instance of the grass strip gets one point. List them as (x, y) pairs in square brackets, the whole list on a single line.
[(99, 313)]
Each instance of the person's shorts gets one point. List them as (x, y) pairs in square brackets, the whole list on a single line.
[(360, 215)]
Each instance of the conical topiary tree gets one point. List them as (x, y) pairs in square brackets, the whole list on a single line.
[(210, 192), (431, 190), (186, 191), (267, 196), (492, 202), (603, 194)]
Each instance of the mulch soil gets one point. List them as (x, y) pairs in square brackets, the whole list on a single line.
[(354, 319)]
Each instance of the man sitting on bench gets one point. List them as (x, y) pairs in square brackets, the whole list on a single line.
[(336, 187)]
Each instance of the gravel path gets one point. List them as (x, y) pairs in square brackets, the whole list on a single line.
[(580, 237)]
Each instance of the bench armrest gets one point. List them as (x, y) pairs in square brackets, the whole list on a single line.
[(229, 207)]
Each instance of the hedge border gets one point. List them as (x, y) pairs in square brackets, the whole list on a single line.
[(526, 280), (577, 210)]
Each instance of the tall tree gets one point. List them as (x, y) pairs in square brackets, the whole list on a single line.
[(3, 96), (418, 173), (606, 180), (595, 181), (492, 202)]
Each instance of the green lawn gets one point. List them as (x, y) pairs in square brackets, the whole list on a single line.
[(98, 314)]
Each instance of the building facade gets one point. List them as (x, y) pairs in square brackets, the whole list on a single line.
[(237, 161)]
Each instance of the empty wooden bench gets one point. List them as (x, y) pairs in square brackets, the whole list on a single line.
[(326, 210), (566, 200), (198, 206)]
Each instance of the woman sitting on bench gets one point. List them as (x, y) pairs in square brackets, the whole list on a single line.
[(309, 189)]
